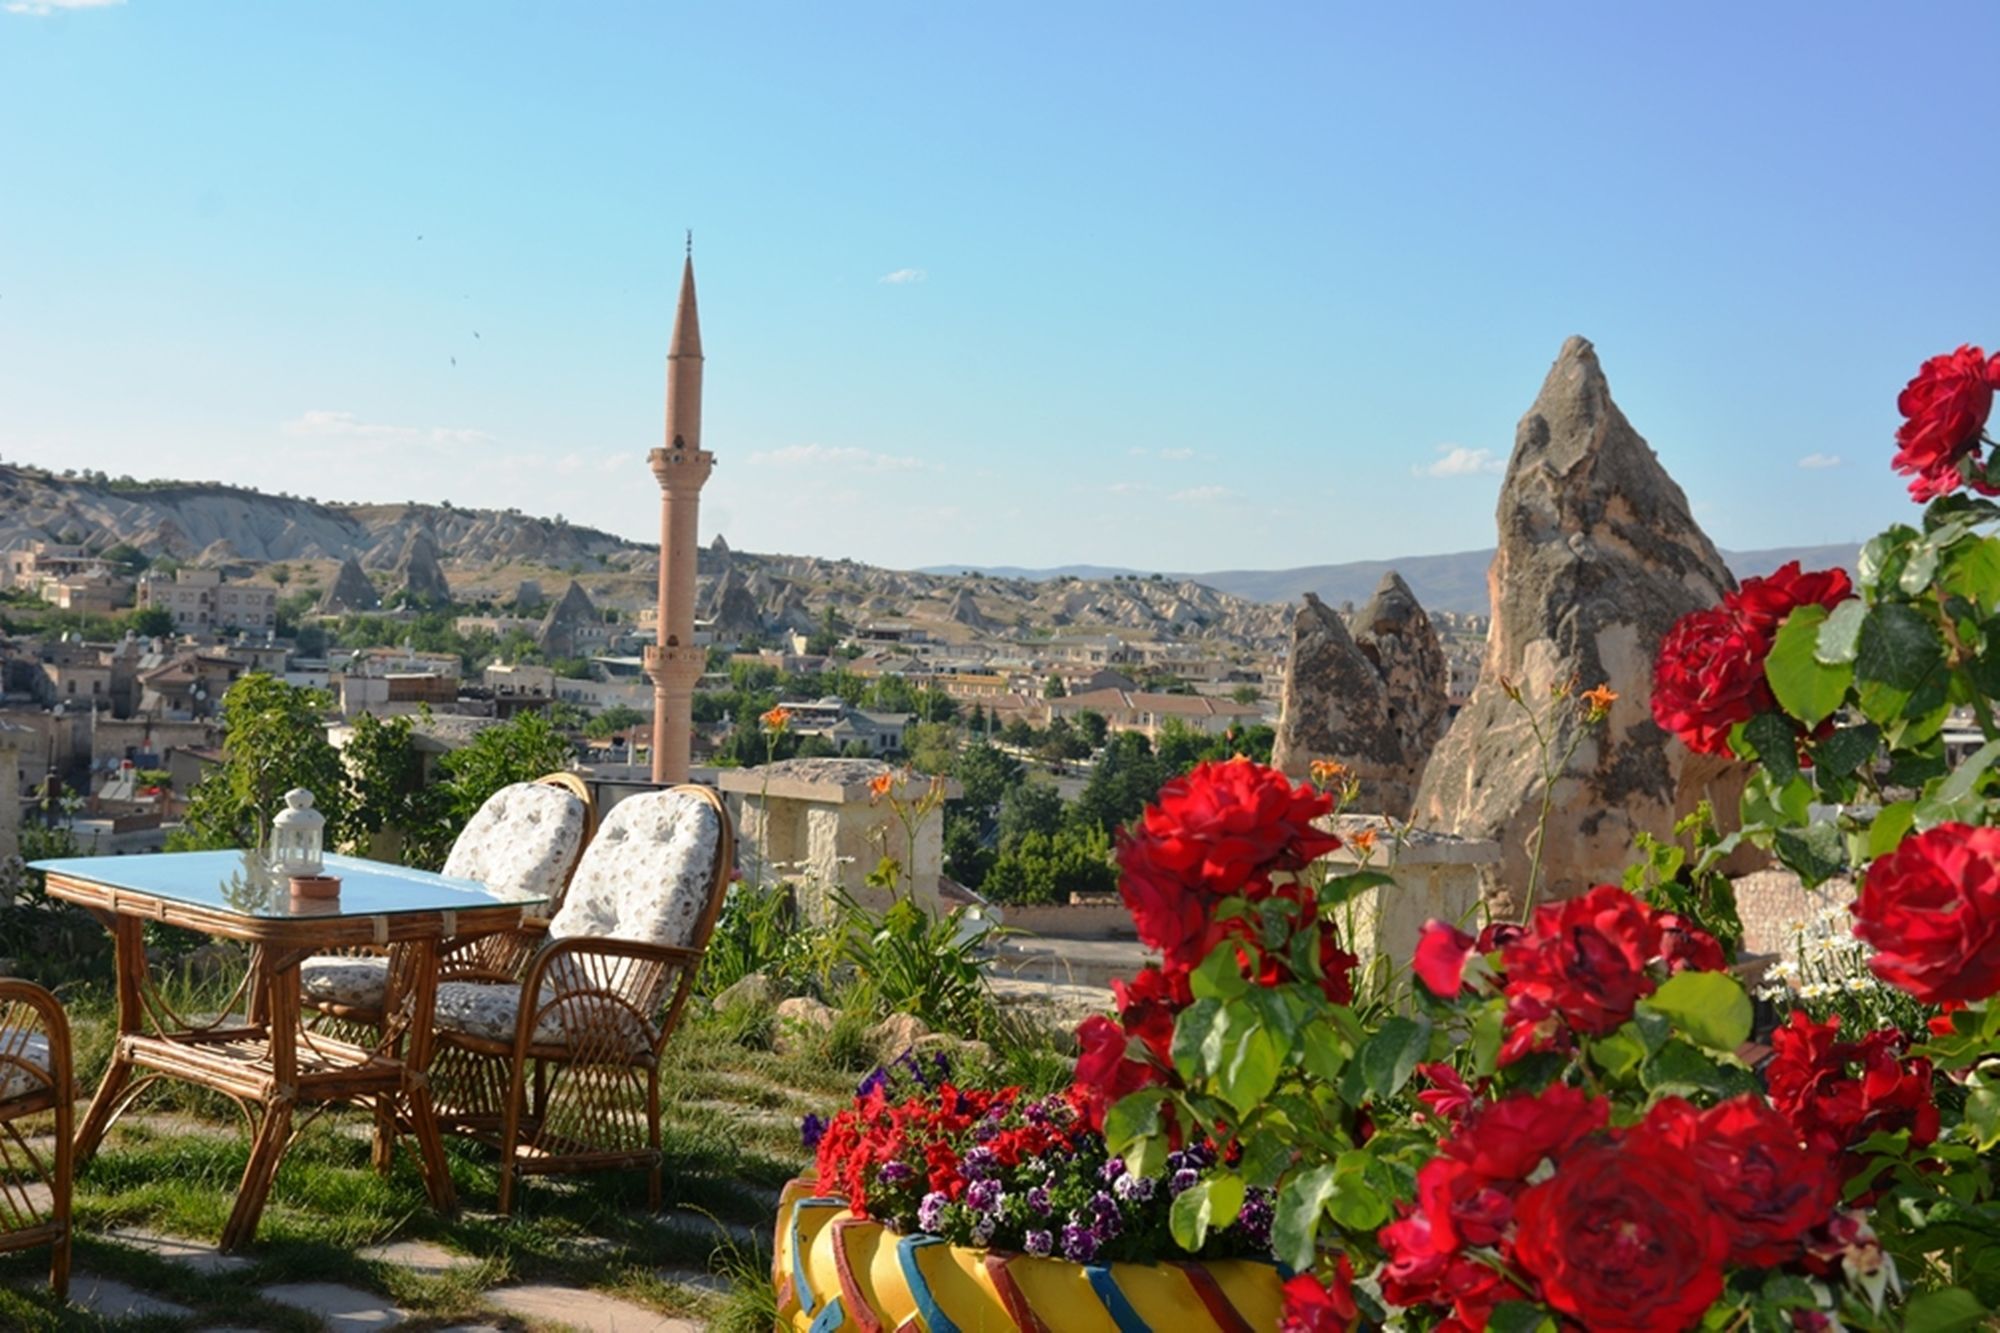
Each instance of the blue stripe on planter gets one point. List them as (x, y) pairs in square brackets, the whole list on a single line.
[(829, 1318), (1113, 1300), (800, 1287), (935, 1319)]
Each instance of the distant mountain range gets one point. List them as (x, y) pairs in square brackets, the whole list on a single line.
[(1454, 582)]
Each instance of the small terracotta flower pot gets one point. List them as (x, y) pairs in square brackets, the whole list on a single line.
[(315, 886)]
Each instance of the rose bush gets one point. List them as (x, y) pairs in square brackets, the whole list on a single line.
[(1561, 1123)]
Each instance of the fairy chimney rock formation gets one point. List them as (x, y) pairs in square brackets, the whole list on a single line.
[(423, 575), (1598, 557), (351, 591), (562, 632), (1337, 705), (1393, 632)]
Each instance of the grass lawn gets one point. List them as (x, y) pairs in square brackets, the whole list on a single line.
[(172, 1164)]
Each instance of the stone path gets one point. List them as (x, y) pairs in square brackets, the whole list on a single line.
[(345, 1309), (587, 1311)]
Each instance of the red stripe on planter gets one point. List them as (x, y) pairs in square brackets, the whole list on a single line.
[(857, 1303), (1212, 1296), (1011, 1299)]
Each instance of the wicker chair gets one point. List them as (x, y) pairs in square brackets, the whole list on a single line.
[(524, 842), (35, 1077), (570, 1080)]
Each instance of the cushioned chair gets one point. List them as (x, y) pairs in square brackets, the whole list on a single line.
[(524, 842), (35, 1078), (558, 1065)]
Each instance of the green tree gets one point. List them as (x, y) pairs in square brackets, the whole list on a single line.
[(519, 750), (1018, 734), (1030, 807), (130, 559), (986, 774), (1126, 777), (932, 747), (1246, 693), (1093, 727), (274, 739), (612, 720), (153, 622), (1053, 688), (1048, 867), (389, 805), (967, 858)]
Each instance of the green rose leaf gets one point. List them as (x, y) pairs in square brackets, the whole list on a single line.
[(1519, 1317), (1846, 750), (1617, 1055), (1943, 1311), (1982, 1112), (1295, 1217), (1131, 1117), (1247, 1062), (1218, 977), (1898, 647), (1840, 631), (1708, 1006), (1386, 1060), (1322, 1051), (1776, 742), (1356, 1205), (1197, 1039), (1339, 888), (1809, 689), (1210, 1204), (1816, 851)]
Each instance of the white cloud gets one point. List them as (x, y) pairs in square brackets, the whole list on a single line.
[(348, 426), (844, 456), (1813, 462), (1459, 461), (903, 277), (44, 8), (1177, 455), (1202, 494), (1128, 488)]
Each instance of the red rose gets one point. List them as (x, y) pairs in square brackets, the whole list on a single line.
[(1443, 950), (1221, 824), (1418, 1269), (1686, 947), (1449, 1096), (1508, 1139), (1316, 1306), (1586, 958), (1830, 1107), (1761, 604), (1464, 1207), (1768, 1189), (1336, 966), (1709, 676), (1944, 409), (1621, 1239), (1169, 915), (1931, 909)]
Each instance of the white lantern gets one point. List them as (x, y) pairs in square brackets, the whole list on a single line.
[(298, 836)]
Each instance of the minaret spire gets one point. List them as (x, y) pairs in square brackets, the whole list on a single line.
[(681, 466)]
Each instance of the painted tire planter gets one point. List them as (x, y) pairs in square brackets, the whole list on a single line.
[(833, 1271)]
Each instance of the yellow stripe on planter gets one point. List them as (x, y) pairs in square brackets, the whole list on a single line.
[(837, 1271)]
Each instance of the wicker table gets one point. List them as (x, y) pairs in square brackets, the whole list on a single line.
[(255, 1050)]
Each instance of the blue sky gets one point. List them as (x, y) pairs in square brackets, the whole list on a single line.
[(1164, 286)]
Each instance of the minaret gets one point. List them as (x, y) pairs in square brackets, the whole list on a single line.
[(674, 663)]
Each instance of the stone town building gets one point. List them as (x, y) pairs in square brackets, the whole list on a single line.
[(200, 600), (682, 466), (816, 823)]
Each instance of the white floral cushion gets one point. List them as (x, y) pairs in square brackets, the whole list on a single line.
[(22, 1054), (646, 875), (491, 1010), (520, 843), (358, 983)]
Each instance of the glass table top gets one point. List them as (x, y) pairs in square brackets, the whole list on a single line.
[(243, 882)]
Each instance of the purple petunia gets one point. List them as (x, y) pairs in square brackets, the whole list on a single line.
[(811, 1130), (895, 1173), (984, 1195), (1039, 1243), (1255, 1217), (930, 1212), (978, 1163), (983, 1228), (1079, 1246), (1038, 1199), (1113, 1168), (1183, 1181), (1133, 1189)]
